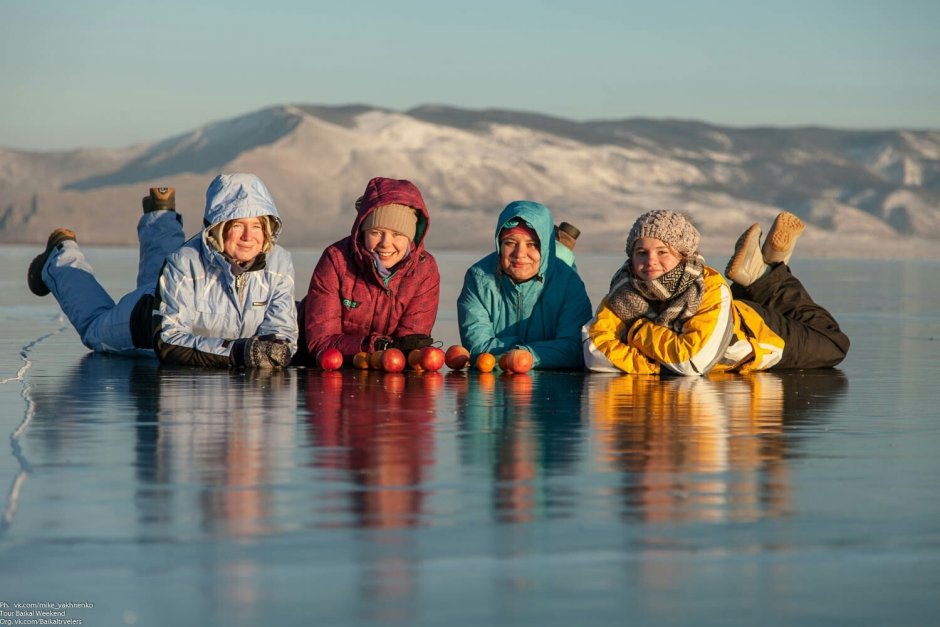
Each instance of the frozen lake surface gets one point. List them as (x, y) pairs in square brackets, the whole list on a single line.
[(167, 496)]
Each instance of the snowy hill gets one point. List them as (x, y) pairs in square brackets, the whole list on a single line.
[(863, 193)]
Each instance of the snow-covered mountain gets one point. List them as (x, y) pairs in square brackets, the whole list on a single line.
[(870, 193)]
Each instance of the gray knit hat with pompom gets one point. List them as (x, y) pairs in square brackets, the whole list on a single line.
[(669, 227)]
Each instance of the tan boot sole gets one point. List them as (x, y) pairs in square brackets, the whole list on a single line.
[(782, 238), (747, 265)]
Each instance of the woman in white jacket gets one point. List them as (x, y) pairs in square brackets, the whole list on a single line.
[(225, 298)]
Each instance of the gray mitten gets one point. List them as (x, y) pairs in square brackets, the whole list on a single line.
[(255, 352)]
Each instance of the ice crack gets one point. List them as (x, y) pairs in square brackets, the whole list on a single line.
[(13, 497)]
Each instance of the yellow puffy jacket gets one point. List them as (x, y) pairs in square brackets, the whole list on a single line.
[(723, 335)]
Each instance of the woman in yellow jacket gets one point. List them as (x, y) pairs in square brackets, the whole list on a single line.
[(667, 311)]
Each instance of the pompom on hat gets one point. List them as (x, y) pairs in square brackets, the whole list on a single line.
[(670, 227)]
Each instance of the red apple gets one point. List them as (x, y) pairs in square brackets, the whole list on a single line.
[(457, 357), (432, 358), (393, 360), (330, 359)]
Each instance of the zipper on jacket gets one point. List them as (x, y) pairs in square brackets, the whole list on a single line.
[(240, 288)]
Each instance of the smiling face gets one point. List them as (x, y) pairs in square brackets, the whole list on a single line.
[(243, 239), (653, 258), (519, 256), (389, 246)]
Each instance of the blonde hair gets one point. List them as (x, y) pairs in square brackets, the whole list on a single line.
[(218, 232)]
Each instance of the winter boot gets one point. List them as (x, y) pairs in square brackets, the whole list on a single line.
[(160, 198), (34, 275), (747, 264), (782, 238), (567, 234)]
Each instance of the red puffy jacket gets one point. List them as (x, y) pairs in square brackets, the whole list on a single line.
[(349, 305)]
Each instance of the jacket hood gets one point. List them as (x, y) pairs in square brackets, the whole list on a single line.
[(539, 218), (235, 196), (384, 191)]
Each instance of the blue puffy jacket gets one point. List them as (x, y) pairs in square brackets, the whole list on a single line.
[(543, 315), (202, 305)]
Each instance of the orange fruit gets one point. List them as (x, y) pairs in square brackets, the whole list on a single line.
[(361, 360), (414, 359), (517, 360), (485, 362)]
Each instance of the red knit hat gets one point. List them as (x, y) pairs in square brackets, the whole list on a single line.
[(520, 228)]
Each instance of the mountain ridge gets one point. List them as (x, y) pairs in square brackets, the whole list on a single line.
[(857, 190)]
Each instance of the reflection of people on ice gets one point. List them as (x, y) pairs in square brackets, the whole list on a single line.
[(223, 299), (707, 448), (377, 431), (205, 447), (526, 428), (373, 447), (225, 440), (667, 311)]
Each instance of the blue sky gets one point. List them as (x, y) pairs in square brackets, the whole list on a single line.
[(109, 73)]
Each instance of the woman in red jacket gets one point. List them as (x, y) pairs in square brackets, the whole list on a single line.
[(378, 287)]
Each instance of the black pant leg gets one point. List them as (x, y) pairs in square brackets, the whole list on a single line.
[(811, 335)]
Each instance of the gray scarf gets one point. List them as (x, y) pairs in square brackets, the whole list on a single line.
[(668, 301)]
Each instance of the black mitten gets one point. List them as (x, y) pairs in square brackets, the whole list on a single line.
[(378, 344), (410, 342)]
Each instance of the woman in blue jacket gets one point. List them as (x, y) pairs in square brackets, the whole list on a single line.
[(225, 298), (523, 296)]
